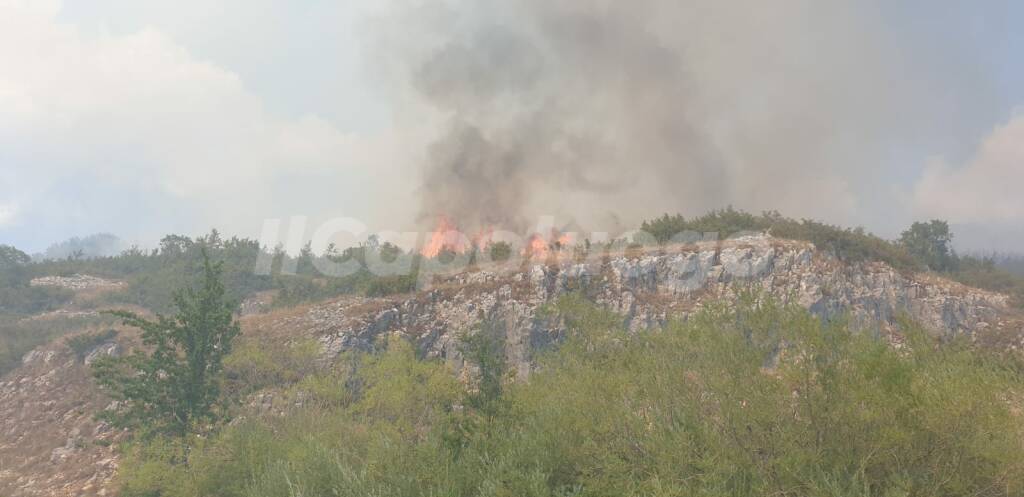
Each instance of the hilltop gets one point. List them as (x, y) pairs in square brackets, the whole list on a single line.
[(296, 326)]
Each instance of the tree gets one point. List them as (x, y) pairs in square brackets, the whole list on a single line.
[(306, 263), (485, 350), (12, 266), (930, 242), (500, 251), (173, 385), (11, 256)]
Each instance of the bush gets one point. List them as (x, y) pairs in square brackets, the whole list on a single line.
[(27, 300), (252, 366), (983, 272), (851, 245), (500, 251), (298, 289), (755, 400)]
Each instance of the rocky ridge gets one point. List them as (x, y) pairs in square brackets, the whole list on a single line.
[(649, 288)]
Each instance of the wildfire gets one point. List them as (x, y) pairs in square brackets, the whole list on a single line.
[(538, 247), (447, 238)]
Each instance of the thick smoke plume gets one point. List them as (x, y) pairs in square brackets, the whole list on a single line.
[(607, 110)]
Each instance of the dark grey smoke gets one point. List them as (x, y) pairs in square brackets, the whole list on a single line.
[(602, 109)]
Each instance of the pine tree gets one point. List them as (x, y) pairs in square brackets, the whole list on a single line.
[(173, 386)]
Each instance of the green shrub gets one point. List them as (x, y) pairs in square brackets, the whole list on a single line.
[(154, 469), (500, 251), (298, 289), (253, 366), (851, 245), (982, 272), (755, 400), (27, 300)]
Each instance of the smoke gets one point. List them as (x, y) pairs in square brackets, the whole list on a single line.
[(604, 109), (88, 247)]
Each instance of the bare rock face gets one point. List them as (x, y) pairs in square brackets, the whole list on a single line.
[(648, 289), (50, 443)]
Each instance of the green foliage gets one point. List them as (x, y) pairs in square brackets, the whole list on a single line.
[(25, 300), (984, 272), (851, 245), (500, 251), (397, 403), (755, 400), (84, 343), (154, 276), (12, 257), (153, 469), (308, 285), (173, 386), (484, 350), (17, 296), (298, 289), (253, 366), (721, 223), (930, 243)]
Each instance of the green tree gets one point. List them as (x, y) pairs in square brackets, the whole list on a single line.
[(484, 349), (930, 242), (12, 265), (500, 251), (172, 387), (11, 256)]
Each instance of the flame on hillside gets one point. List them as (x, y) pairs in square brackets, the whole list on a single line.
[(447, 237), (540, 247)]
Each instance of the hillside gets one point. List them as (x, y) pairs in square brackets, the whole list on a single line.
[(649, 288), (49, 444)]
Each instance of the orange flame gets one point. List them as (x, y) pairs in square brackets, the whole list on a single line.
[(537, 247), (444, 237), (447, 237)]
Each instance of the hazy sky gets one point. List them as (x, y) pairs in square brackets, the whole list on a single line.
[(143, 118)]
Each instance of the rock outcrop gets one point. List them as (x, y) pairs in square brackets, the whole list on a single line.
[(649, 288), (50, 443), (77, 282)]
